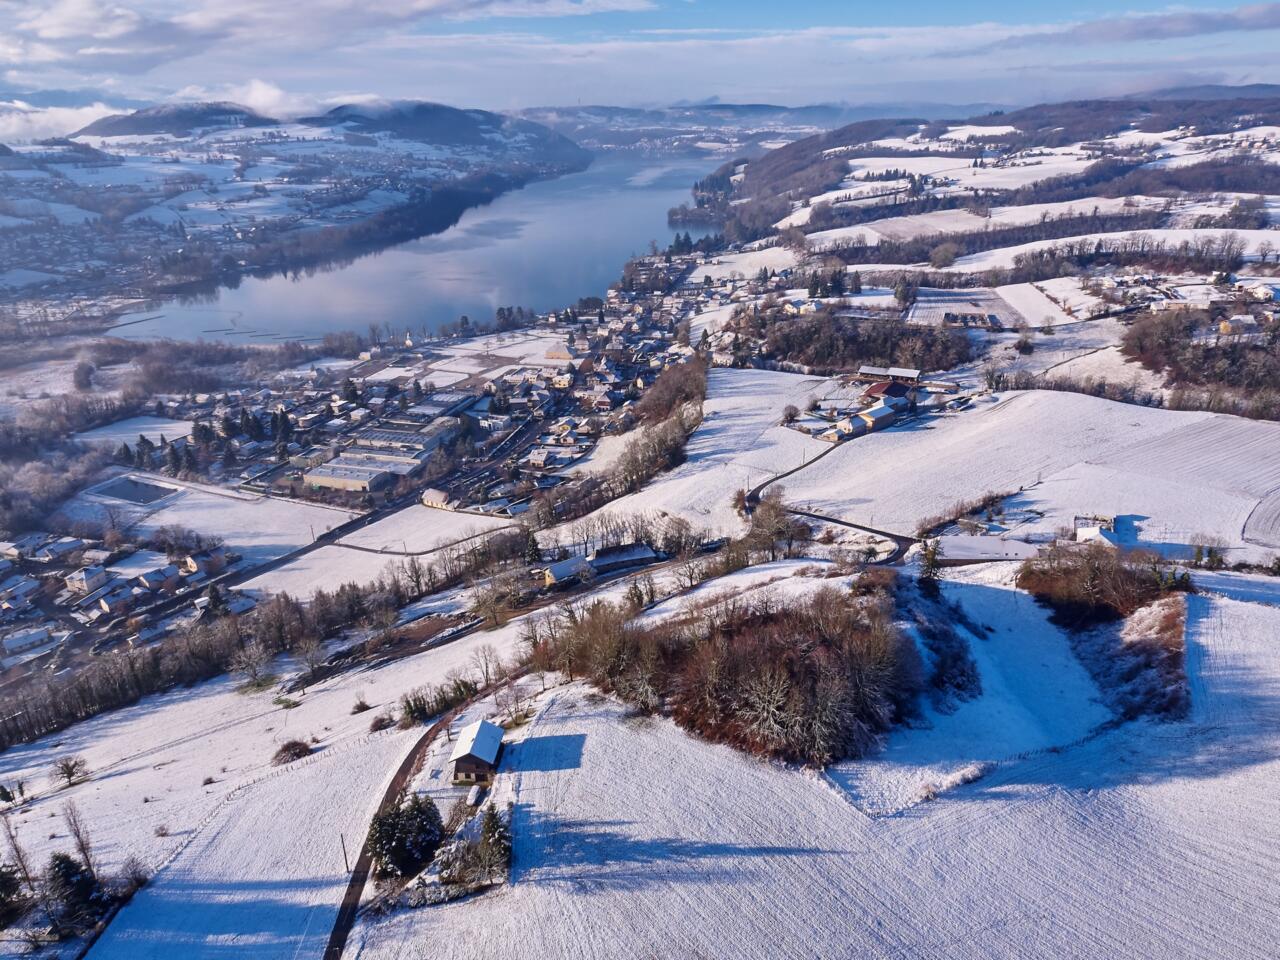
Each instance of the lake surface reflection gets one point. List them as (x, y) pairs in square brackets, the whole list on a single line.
[(541, 247)]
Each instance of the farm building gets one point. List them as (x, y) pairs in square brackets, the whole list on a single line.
[(846, 428), (475, 755), (959, 549), (608, 559), (566, 571), (24, 546), (24, 640), (896, 374), (435, 497), (886, 390), (1098, 534), (879, 416), (59, 550)]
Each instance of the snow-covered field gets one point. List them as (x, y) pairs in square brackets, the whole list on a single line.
[(739, 444), (1070, 293), (1149, 840), (1111, 365), (252, 862), (232, 890), (1005, 256), (635, 839), (962, 221), (1173, 479), (128, 431), (30, 383), (258, 528), (1037, 309), (327, 568), (746, 264), (1035, 696), (363, 556), (417, 529), (523, 346)]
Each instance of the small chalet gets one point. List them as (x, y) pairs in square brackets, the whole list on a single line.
[(475, 755)]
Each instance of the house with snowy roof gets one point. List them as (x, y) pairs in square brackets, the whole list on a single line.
[(475, 755)]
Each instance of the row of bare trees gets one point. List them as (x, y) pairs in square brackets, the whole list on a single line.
[(69, 895), (246, 645)]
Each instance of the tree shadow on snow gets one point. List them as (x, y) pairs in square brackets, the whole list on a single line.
[(1232, 723), (240, 920), (562, 751), (605, 854)]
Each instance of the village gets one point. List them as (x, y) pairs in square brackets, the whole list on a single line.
[(927, 515), (480, 427), (472, 427)]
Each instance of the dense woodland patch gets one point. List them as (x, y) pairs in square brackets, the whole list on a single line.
[(815, 681)]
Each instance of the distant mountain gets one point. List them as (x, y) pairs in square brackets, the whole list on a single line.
[(742, 130), (1214, 91), (1058, 124), (5, 151), (70, 98), (714, 114), (435, 123), (175, 119)]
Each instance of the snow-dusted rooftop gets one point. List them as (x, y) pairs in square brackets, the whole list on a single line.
[(480, 740)]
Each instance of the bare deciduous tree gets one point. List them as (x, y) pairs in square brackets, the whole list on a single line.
[(310, 651), (80, 834), (69, 770), (486, 662), (252, 661)]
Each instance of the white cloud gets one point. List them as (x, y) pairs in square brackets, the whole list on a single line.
[(396, 48), (21, 121), (68, 19), (260, 96)]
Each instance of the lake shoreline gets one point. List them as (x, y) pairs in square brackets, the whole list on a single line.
[(541, 246)]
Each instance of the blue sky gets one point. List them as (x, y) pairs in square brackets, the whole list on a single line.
[(288, 55), (764, 15)]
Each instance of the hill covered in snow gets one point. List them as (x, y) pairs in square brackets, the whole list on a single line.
[(256, 192), (175, 119)]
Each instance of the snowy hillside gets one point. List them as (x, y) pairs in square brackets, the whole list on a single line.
[(1172, 478), (239, 180), (1144, 841)]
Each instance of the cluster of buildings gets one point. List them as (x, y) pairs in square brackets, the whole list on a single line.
[(885, 395), (110, 585), (295, 435), (379, 456), (52, 586), (1182, 294)]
